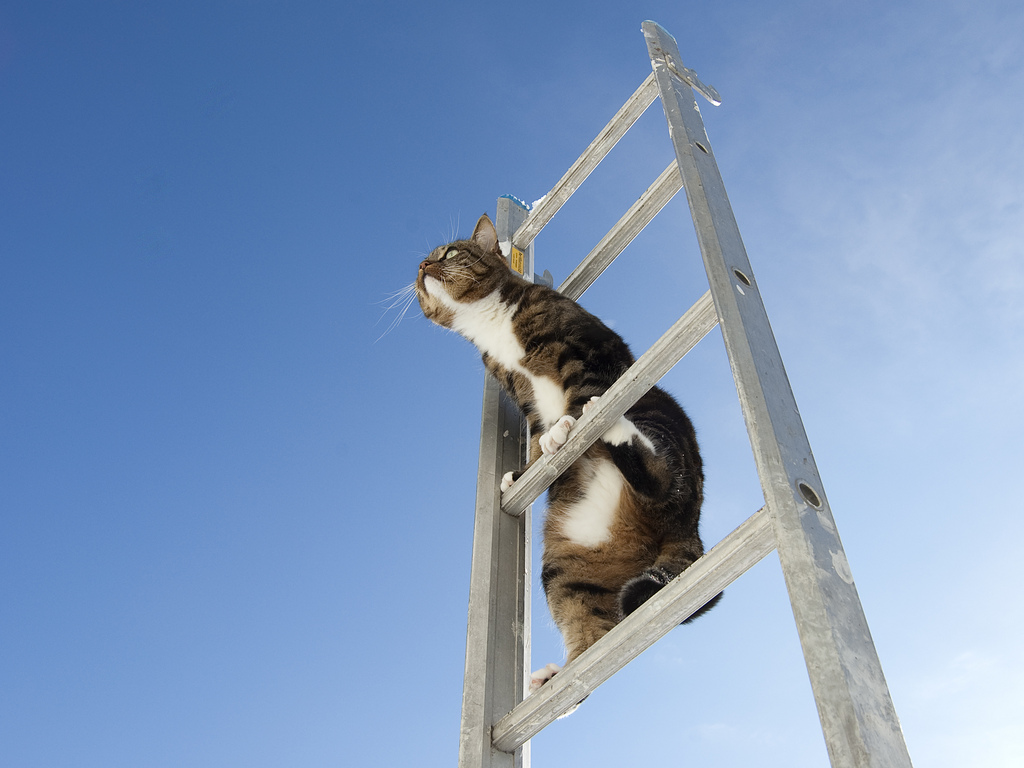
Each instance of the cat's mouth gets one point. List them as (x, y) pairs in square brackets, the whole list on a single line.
[(431, 303), (427, 269)]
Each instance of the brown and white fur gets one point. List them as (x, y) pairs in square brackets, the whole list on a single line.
[(622, 520)]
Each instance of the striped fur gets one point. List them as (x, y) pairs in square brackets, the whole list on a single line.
[(622, 520)]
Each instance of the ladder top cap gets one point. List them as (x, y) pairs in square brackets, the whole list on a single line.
[(665, 51), (653, 29)]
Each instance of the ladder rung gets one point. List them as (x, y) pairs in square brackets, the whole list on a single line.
[(726, 562), (631, 386), (629, 226), (609, 136)]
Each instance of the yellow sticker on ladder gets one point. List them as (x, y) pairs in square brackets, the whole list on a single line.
[(517, 260)]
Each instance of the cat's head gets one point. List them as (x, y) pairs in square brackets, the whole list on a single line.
[(461, 273)]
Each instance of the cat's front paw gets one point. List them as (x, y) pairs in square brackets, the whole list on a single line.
[(507, 479), (555, 437), (541, 676)]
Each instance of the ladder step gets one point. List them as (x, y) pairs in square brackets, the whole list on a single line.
[(609, 136), (629, 226), (634, 383), (726, 562)]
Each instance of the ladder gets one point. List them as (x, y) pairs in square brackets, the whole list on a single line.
[(858, 719)]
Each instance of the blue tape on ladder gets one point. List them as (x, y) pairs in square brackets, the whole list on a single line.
[(517, 201)]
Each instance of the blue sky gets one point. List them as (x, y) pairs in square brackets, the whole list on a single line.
[(236, 508)]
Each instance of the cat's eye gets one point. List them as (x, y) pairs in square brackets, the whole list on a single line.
[(449, 253)]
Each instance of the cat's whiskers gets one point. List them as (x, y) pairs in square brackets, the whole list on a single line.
[(401, 299), (454, 228), (462, 272)]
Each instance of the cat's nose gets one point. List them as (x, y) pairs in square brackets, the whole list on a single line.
[(424, 263)]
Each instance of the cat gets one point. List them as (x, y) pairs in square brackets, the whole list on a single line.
[(622, 520)]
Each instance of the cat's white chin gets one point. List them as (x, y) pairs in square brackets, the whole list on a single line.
[(432, 286)]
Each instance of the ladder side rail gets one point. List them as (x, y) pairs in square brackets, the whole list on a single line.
[(609, 136), (628, 227), (858, 719), (726, 562), (498, 627), (683, 336)]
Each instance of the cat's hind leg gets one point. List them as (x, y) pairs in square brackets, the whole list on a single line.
[(542, 675), (583, 613), (674, 558), (583, 609)]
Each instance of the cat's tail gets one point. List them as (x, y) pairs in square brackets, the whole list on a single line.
[(640, 589)]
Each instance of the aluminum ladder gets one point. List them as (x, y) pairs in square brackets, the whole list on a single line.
[(857, 715)]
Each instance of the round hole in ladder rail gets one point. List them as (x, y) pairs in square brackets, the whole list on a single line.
[(809, 494), (742, 278)]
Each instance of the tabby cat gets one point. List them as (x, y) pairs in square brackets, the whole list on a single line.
[(622, 520)]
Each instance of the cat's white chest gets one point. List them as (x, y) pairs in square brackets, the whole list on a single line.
[(488, 324)]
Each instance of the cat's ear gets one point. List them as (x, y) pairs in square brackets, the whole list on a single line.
[(485, 235)]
